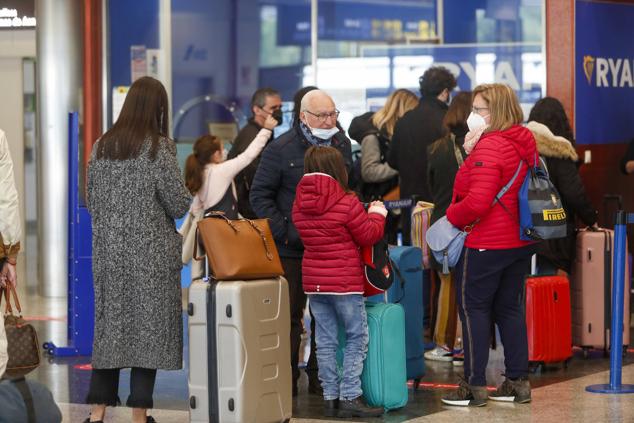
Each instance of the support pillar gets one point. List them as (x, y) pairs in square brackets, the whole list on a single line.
[(59, 67)]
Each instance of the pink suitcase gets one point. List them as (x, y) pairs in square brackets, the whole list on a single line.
[(591, 286)]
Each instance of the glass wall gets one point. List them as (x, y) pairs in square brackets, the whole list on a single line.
[(223, 50)]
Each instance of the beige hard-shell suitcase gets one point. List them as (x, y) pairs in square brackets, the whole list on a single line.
[(591, 286), (239, 351)]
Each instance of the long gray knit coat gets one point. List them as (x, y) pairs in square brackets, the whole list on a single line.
[(137, 259)]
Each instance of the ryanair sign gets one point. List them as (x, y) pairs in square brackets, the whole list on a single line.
[(608, 72), (604, 72)]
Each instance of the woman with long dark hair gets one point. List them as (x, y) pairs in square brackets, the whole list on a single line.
[(135, 191), (550, 127), (445, 156)]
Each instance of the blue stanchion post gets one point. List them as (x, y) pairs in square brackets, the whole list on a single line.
[(80, 288), (618, 294)]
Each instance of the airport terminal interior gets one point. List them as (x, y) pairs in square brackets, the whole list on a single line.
[(66, 67)]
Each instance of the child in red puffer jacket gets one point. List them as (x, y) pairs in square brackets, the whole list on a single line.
[(333, 225)]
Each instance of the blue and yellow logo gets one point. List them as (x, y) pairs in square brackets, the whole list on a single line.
[(613, 72), (588, 67)]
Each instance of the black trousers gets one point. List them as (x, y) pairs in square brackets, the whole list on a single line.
[(293, 274), (104, 387), (490, 286)]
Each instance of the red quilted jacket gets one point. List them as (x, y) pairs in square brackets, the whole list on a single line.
[(486, 170), (332, 225)]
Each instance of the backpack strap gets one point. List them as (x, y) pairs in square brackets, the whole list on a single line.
[(506, 187), (25, 392)]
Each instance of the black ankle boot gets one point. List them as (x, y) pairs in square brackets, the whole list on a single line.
[(331, 408), (358, 408)]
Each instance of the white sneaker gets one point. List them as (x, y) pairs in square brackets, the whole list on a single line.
[(439, 354)]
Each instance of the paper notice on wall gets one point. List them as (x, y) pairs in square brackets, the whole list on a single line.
[(138, 62), (153, 59), (118, 97)]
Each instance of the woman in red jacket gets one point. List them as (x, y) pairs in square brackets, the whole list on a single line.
[(490, 273), (333, 225)]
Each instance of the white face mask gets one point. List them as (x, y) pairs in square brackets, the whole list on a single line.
[(475, 121), (324, 134)]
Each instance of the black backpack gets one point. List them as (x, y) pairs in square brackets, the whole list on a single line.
[(360, 127), (377, 268)]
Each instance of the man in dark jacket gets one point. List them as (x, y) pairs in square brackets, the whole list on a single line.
[(273, 192), (264, 102), (415, 131)]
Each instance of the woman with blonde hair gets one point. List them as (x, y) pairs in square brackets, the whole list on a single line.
[(490, 272), (378, 177)]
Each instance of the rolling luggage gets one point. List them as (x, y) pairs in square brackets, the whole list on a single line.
[(548, 323), (407, 290), (592, 291), (384, 377), (239, 351), (421, 217)]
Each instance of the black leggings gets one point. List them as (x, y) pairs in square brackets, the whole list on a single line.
[(104, 386)]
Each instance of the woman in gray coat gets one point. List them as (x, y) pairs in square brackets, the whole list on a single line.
[(135, 191)]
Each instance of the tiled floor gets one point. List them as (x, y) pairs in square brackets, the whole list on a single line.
[(559, 394)]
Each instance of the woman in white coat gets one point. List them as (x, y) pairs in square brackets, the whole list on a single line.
[(9, 233)]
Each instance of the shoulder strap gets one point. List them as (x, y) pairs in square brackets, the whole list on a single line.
[(506, 187), (543, 163), (25, 392), (456, 150)]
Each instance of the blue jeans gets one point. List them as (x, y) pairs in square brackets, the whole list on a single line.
[(331, 312)]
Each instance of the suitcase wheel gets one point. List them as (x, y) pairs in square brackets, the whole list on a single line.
[(566, 362), (416, 383)]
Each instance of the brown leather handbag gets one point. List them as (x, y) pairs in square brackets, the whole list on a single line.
[(22, 345), (238, 249)]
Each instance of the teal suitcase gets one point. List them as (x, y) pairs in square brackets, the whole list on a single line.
[(384, 377)]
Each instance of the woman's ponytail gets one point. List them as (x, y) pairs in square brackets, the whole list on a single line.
[(204, 149)]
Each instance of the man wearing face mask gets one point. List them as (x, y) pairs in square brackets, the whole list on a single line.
[(415, 131), (273, 192), (264, 102)]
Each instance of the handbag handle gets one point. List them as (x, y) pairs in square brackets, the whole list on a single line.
[(7, 307), (263, 237), (214, 214), (219, 214), (222, 215)]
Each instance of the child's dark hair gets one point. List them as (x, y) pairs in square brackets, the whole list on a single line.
[(327, 160), (204, 149)]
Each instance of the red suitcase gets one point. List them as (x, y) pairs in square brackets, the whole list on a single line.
[(548, 323), (592, 291)]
